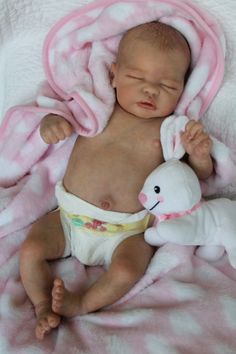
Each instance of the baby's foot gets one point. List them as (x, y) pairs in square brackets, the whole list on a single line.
[(46, 319), (64, 302)]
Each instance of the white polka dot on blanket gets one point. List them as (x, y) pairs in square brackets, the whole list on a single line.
[(67, 28), (35, 184), (229, 309), (120, 12), (115, 345), (163, 9), (206, 274), (64, 45), (134, 317), (7, 217), (9, 168), (23, 127), (199, 76), (4, 347), (178, 317), (93, 14), (26, 150), (185, 291), (86, 36), (156, 344), (221, 348)]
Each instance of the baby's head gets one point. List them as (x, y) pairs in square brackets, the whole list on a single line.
[(150, 70)]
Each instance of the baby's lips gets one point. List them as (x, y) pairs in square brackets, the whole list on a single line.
[(142, 198)]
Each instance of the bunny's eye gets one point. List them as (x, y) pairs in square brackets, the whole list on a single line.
[(157, 189)]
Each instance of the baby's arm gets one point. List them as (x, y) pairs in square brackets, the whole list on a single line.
[(54, 128), (198, 144)]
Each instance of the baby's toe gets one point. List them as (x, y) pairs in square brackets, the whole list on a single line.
[(42, 328), (58, 294), (54, 321), (58, 283)]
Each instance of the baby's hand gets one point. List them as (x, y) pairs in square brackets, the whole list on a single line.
[(54, 128), (196, 142)]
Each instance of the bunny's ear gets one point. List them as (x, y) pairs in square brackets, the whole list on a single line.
[(170, 137)]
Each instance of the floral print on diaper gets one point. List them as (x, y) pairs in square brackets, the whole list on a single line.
[(93, 224), (98, 226)]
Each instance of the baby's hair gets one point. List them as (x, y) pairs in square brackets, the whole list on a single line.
[(157, 34)]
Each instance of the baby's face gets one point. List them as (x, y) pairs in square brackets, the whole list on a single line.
[(149, 81)]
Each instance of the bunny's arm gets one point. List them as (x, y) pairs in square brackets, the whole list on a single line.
[(185, 230)]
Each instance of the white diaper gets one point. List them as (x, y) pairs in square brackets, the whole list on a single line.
[(91, 233)]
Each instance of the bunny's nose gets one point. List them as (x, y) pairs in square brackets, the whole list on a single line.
[(142, 198)]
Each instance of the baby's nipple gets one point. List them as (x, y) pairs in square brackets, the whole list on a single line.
[(156, 143)]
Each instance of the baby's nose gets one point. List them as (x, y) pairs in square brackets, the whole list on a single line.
[(151, 90)]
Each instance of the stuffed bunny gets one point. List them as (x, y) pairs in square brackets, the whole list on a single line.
[(172, 193)]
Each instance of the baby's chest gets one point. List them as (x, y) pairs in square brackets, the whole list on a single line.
[(144, 145), (137, 147)]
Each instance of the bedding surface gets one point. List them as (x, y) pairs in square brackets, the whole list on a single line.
[(183, 305)]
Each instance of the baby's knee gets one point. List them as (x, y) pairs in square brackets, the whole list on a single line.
[(126, 272), (31, 249)]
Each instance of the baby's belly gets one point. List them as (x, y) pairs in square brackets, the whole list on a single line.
[(110, 178)]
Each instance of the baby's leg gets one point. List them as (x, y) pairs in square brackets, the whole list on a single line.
[(129, 263), (45, 242)]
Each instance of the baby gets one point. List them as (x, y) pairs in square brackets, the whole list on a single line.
[(101, 221)]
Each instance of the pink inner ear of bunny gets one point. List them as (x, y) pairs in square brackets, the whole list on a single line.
[(178, 149), (170, 137)]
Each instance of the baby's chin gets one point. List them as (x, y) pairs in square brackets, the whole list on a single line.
[(145, 114), (151, 114)]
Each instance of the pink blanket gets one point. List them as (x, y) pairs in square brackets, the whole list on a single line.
[(182, 304)]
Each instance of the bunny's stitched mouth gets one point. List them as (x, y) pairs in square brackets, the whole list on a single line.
[(154, 206)]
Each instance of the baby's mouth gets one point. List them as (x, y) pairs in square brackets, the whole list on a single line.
[(147, 105)]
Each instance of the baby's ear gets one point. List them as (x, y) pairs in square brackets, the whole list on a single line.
[(113, 75)]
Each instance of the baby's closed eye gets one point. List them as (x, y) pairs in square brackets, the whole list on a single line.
[(134, 77)]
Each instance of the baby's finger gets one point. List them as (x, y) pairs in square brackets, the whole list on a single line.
[(193, 129), (68, 129), (203, 147), (200, 139), (58, 132), (62, 130), (50, 138), (184, 137)]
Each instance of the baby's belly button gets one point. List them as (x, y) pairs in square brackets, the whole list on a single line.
[(105, 204), (107, 201)]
